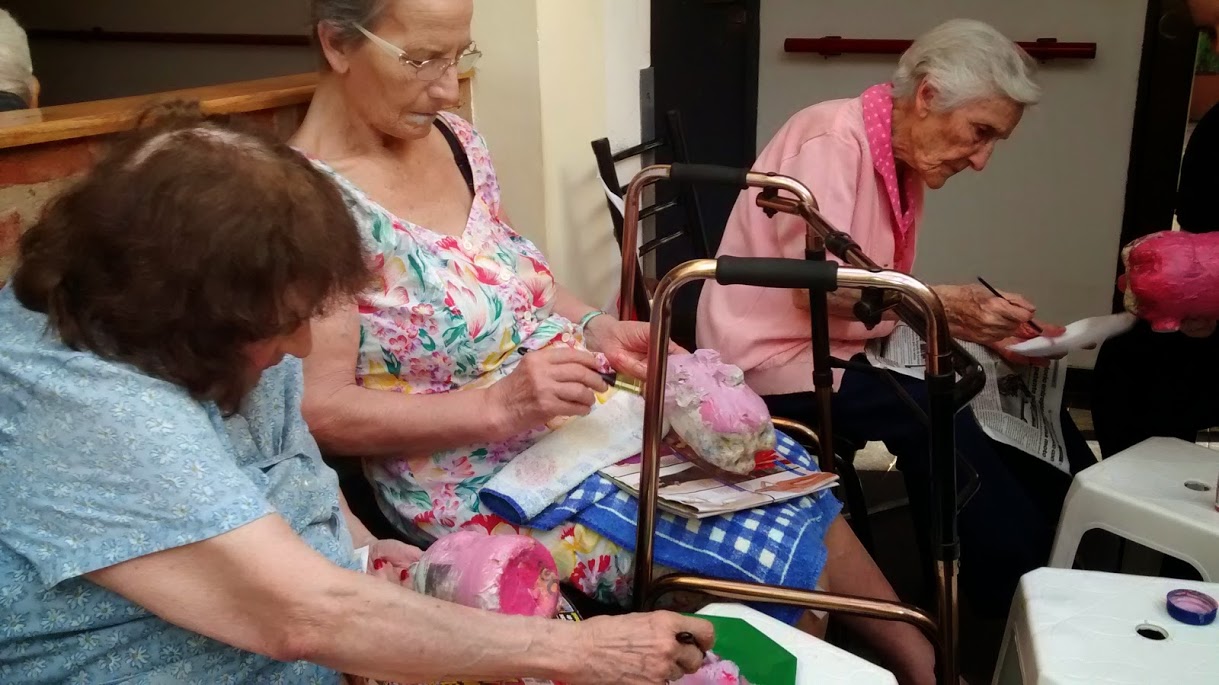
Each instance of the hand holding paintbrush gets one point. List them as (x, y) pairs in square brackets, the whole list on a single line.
[(1031, 323)]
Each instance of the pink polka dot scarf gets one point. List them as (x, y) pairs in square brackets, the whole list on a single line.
[(878, 122)]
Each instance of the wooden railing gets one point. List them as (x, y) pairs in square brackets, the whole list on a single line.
[(43, 150), (98, 35)]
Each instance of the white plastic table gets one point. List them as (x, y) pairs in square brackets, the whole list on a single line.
[(1081, 628), (817, 662)]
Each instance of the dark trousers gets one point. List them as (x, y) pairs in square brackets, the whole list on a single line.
[(1148, 384), (1006, 528)]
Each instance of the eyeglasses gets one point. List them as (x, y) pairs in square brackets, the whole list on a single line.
[(428, 69)]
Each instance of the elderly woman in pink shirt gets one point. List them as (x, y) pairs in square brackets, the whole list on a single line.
[(958, 91)]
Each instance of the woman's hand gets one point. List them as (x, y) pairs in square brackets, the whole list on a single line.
[(642, 649), (624, 344), (556, 381), (391, 560), (974, 314), (1027, 333)]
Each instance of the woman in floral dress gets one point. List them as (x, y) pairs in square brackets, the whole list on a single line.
[(460, 294)]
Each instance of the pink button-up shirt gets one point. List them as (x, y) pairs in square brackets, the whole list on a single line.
[(843, 151)]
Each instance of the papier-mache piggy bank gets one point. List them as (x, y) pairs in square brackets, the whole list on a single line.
[(1172, 276), (507, 574), (712, 410)]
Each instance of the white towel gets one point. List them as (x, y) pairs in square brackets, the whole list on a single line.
[(561, 460)]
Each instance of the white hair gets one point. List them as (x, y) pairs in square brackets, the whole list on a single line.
[(16, 68), (967, 60)]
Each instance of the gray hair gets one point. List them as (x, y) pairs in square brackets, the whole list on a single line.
[(16, 68), (967, 60), (344, 16)]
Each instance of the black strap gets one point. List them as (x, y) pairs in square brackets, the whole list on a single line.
[(459, 154)]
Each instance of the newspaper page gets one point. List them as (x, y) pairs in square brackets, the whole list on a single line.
[(691, 488), (1018, 406)]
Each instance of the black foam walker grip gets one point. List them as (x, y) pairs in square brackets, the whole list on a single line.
[(776, 272), (708, 173)]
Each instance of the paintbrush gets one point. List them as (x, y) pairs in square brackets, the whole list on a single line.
[(1032, 324), (614, 380)]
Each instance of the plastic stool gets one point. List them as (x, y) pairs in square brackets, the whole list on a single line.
[(1159, 493), (1083, 628)]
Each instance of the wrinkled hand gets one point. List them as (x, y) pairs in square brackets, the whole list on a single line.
[(391, 560), (548, 383), (1197, 328), (1027, 333), (974, 314), (624, 344), (642, 649)]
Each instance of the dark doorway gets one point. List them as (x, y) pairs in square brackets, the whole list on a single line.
[(705, 63), (1170, 44), (705, 66)]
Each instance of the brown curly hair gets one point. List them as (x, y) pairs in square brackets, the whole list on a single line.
[(191, 239)]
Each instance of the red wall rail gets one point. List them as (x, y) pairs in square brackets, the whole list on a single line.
[(829, 46)]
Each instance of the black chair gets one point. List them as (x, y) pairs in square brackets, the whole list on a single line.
[(676, 214)]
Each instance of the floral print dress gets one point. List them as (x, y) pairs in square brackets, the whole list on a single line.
[(450, 314)]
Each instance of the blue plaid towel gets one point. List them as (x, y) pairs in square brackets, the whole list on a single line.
[(781, 544)]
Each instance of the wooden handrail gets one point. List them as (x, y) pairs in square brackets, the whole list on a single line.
[(101, 117), (830, 46), (85, 119), (101, 35)]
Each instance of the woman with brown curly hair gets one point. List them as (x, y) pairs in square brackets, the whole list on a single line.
[(164, 513)]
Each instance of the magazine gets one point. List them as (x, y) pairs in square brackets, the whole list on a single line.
[(691, 488)]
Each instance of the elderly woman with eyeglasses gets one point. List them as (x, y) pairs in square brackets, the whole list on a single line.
[(958, 91), (460, 292)]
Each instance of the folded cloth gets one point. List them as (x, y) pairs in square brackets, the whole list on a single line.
[(558, 462), (780, 544)]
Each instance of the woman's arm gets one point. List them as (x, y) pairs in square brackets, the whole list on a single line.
[(569, 306), (260, 588), (348, 420)]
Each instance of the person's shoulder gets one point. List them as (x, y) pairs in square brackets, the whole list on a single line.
[(464, 130), (839, 118), (831, 129), (42, 379)]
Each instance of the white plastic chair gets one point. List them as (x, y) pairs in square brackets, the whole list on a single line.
[(1159, 493), (1088, 628)]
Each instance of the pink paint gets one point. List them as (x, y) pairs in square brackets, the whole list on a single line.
[(714, 671), (709, 406), (1172, 276), (507, 574)]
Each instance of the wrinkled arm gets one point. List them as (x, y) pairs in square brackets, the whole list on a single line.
[(569, 306), (233, 588), (349, 420)]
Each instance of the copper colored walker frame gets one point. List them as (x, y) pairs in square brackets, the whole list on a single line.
[(912, 300)]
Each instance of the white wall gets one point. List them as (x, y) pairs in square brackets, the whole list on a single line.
[(556, 75), (1044, 218), (74, 71)]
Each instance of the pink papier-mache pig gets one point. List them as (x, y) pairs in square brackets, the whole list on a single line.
[(1172, 276), (507, 574), (715, 671), (712, 410)]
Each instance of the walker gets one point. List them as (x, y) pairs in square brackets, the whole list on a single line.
[(914, 302)]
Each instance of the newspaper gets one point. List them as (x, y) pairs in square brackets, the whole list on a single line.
[(1020, 407), (691, 488)]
